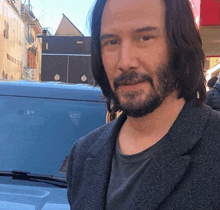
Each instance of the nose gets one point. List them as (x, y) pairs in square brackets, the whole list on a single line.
[(127, 57)]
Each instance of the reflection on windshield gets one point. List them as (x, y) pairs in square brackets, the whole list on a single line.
[(63, 168), (36, 134)]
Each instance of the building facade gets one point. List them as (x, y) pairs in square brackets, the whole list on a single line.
[(18, 32), (32, 29), (12, 41)]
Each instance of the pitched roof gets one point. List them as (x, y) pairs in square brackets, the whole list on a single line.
[(67, 28)]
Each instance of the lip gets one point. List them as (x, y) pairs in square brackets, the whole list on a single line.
[(132, 86)]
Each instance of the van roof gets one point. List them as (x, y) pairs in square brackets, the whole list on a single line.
[(52, 90)]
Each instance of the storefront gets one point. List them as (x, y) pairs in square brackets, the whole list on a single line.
[(207, 17)]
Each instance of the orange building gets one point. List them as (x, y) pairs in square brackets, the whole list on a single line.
[(12, 42), (32, 29), (18, 32)]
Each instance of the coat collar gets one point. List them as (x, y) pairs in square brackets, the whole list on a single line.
[(166, 169), (183, 134)]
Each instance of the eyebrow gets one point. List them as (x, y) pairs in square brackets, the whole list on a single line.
[(106, 36), (147, 28)]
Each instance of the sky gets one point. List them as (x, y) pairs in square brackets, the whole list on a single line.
[(50, 12)]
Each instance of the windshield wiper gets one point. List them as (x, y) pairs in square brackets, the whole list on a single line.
[(22, 175)]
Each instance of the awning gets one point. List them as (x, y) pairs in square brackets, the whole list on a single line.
[(210, 13), (207, 12), (207, 17)]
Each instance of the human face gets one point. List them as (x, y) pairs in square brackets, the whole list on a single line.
[(135, 54)]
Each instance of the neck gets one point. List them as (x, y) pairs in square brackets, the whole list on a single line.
[(163, 116), (151, 128)]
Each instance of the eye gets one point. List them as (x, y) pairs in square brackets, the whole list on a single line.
[(112, 42), (145, 38), (109, 43)]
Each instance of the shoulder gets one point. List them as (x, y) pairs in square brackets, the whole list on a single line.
[(80, 151), (99, 137), (86, 142), (205, 153), (212, 126), (211, 134)]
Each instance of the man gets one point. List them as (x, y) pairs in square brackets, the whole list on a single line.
[(213, 95), (163, 151)]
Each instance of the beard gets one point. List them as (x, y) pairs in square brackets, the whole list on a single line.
[(139, 103)]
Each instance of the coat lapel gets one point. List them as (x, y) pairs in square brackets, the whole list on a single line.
[(171, 162), (157, 184), (97, 168)]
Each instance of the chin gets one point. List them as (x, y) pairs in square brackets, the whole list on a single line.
[(139, 108)]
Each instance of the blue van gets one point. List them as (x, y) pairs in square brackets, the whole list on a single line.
[(39, 123)]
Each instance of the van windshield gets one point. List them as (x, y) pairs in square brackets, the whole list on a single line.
[(36, 134)]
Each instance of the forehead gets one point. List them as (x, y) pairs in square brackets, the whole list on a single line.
[(119, 14)]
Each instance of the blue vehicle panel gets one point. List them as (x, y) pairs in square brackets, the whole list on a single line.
[(39, 123)]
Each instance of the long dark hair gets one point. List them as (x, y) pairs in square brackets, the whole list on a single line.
[(185, 45)]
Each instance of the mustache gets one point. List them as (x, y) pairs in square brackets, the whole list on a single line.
[(132, 78)]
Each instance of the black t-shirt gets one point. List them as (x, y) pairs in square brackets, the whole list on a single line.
[(126, 175)]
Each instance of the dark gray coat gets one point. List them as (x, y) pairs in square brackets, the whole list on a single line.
[(213, 97), (185, 174)]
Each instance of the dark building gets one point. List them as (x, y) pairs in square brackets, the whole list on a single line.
[(66, 59)]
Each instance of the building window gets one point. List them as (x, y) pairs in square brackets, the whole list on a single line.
[(6, 30)]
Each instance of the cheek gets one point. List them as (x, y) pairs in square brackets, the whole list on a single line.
[(110, 69), (156, 53), (154, 57), (162, 53)]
